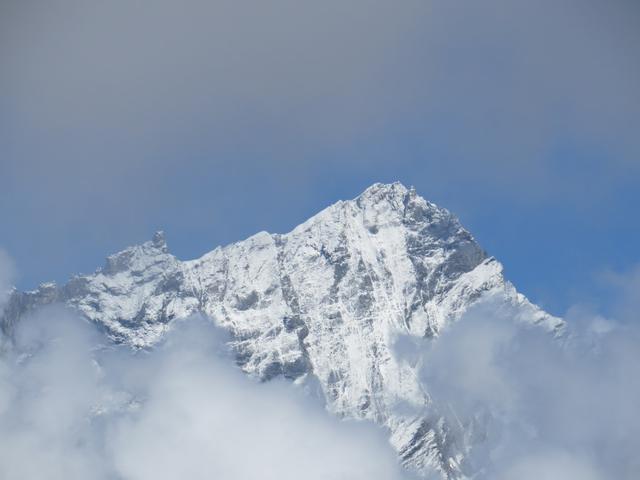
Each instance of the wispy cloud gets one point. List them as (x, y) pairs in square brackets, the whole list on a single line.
[(535, 407)]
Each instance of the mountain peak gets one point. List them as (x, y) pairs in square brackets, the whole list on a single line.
[(324, 302), (385, 191), (159, 241), (138, 257)]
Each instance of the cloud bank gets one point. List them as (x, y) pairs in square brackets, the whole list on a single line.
[(73, 408), (564, 409)]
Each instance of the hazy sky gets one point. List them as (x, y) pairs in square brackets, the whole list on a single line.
[(216, 119)]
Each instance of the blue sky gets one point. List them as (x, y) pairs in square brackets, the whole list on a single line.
[(214, 120)]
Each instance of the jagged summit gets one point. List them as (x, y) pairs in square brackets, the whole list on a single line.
[(159, 241), (377, 191), (138, 258), (324, 301)]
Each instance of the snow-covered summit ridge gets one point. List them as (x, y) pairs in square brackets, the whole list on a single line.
[(325, 301), (138, 258)]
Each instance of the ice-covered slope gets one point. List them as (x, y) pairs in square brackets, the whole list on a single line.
[(326, 301)]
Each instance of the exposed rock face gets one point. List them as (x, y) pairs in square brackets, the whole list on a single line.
[(325, 301)]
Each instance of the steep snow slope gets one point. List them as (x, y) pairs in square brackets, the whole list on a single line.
[(326, 301)]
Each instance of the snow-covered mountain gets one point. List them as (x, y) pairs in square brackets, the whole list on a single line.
[(326, 302)]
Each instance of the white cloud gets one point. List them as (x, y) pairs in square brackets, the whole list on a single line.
[(73, 409), (551, 466), (546, 409)]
